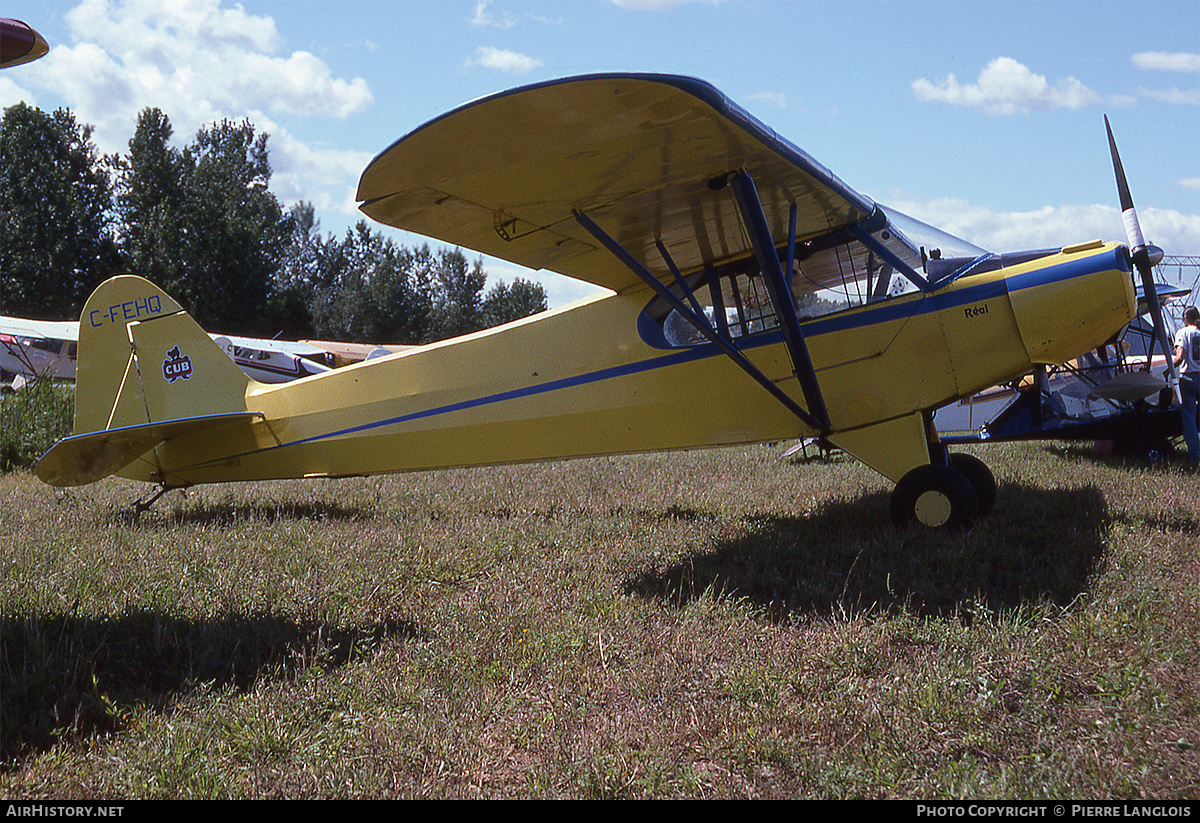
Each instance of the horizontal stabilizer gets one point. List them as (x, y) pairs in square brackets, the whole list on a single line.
[(86, 458)]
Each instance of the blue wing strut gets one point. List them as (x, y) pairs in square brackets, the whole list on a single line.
[(816, 417)]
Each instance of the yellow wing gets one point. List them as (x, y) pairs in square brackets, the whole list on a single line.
[(644, 156)]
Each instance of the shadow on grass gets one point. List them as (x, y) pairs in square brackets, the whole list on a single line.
[(65, 676), (1038, 546), (1129, 457), (230, 513)]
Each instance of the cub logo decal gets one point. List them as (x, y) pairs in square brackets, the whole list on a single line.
[(176, 366)]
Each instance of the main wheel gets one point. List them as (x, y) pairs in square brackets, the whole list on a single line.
[(1159, 450), (1153, 450), (981, 478), (939, 497)]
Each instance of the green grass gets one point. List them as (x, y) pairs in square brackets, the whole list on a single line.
[(32, 420), (710, 624)]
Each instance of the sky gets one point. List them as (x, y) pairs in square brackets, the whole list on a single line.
[(984, 119)]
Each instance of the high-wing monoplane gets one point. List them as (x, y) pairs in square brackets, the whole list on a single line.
[(274, 361), (754, 297), (38, 348)]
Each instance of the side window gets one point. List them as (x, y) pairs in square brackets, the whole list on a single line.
[(735, 303)]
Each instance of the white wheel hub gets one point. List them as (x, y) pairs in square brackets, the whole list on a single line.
[(933, 508)]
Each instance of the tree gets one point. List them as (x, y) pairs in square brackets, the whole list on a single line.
[(457, 305), (368, 289), (56, 239), (290, 293), (503, 304), (151, 201), (203, 223)]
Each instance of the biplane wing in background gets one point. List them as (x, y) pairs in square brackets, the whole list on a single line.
[(755, 297), (19, 43)]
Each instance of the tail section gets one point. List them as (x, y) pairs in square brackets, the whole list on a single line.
[(147, 374), (142, 360)]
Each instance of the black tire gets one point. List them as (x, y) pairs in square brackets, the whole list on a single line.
[(1153, 450), (935, 496), (1158, 451), (981, 478)]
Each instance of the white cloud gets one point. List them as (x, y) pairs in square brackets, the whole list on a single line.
[(194, 59), (502, 60), (1190, 183), (1054, 226), (1007, 87), (1182, 97), (1182, 62), (11, 93), (777, 99), (324, 176), (1167, 61), (484, 17)]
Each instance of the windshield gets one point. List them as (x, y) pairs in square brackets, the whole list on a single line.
[(935, 242)]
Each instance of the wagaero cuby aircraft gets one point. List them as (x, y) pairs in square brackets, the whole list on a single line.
[(730, 255)]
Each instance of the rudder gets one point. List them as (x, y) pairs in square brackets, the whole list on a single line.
[(142, 359)]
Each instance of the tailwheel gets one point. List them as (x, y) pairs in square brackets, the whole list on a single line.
[(936, 496)]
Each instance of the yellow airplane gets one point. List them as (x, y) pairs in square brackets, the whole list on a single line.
[(722, 244)]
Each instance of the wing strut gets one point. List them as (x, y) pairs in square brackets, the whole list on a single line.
[(698, 322), (781, 295), (893, 260)]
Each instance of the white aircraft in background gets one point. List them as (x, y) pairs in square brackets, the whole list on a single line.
[(35, 348), (47, 348), (274, 361)]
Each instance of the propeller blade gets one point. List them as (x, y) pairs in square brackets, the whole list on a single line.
[(1141, 255)]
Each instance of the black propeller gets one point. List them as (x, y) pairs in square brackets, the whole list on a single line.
[(1144, 257)]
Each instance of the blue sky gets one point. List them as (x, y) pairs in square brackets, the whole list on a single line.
[(982, 118)]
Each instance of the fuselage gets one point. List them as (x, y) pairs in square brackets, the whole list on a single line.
[(599, 378)]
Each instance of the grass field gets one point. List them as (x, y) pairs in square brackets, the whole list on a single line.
[(723, 624)]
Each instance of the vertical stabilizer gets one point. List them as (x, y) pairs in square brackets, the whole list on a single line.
[(142, 359)]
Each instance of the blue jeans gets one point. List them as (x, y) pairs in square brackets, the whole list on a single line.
[(1189, 389)]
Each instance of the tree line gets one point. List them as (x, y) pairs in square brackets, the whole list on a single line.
[(201, 222)]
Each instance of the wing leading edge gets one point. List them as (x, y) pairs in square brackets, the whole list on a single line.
[(647, 157)]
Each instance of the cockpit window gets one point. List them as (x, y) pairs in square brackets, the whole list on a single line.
[(734, 300), (832, 273)]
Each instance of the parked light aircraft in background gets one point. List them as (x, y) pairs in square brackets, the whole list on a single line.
[(274, 361), (31, 349), (1115, 396), (755, 297), (38, 348)]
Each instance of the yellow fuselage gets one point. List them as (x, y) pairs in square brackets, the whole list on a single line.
[(583, 381)]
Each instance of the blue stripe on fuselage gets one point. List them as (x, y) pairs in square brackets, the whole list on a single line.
[(939, 300), (883, 312)]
